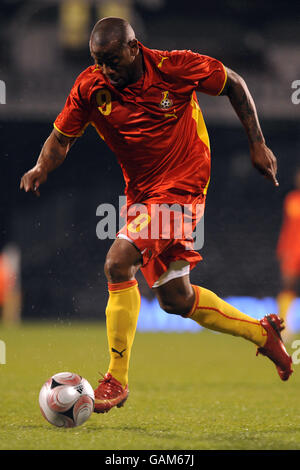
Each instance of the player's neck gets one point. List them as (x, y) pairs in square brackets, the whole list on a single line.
[(139, 68)]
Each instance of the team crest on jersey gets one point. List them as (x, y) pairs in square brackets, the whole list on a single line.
[(166, 102)]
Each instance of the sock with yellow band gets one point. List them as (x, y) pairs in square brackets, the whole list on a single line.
[(215, 314), (122, 313)]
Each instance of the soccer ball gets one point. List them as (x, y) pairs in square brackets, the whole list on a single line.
[(66, 400)]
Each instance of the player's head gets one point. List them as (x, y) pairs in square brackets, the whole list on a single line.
[(114, 47)]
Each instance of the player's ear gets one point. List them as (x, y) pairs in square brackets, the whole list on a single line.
[(134, 47)]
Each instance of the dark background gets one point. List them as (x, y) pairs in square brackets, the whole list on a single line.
[(62, 259)]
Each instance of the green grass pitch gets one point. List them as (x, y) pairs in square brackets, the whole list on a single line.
[(187, 391)]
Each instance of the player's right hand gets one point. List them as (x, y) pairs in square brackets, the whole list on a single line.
[(32, 180), (264, 160)]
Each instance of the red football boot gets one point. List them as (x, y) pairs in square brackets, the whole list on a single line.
[(109, 393), (274, 348)]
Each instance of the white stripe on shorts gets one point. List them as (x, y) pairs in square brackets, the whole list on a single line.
[(176, 269)]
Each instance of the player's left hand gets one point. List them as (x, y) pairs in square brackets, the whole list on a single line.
[(264, 161)]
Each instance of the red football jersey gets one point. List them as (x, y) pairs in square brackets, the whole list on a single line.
[(289, 239), (155, 126)]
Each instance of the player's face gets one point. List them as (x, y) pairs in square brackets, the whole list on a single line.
[(117, 63)]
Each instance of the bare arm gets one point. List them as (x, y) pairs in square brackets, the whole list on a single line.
[(52, 155), (242, 102)]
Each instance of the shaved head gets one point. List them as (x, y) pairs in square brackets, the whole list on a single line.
[(111, 30), (115, 49)]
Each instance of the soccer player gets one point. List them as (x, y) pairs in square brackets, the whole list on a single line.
[(143, 104), (288, 250)]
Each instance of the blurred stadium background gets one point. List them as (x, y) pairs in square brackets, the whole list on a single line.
[(51, 241)]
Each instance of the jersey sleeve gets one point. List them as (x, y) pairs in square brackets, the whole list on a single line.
[(74, 117), (208, 75)]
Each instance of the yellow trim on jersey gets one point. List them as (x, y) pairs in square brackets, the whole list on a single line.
[(206, 187), (97, 67), (70, 135), (225, 80), (79, 135), (201, 129), (97, 130), (162, 61)]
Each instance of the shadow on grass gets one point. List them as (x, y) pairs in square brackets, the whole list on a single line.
[(274, 438), (101, 427)]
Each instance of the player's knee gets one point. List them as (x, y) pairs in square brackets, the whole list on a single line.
[(122, 261), (116, 270), (177, 306)]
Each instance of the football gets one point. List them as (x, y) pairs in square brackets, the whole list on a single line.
[(66, 400)]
